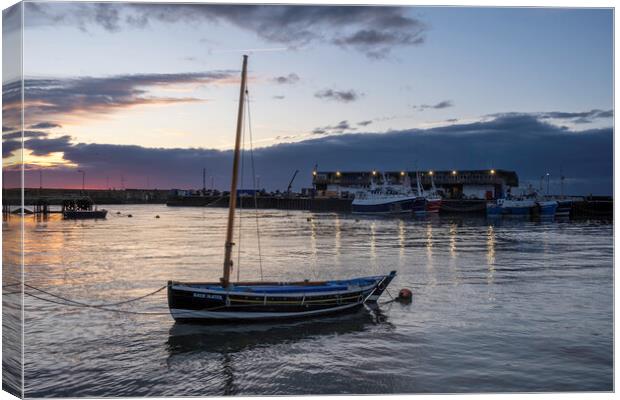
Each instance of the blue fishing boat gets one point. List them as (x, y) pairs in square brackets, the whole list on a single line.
[(258, 301), (510, 207)]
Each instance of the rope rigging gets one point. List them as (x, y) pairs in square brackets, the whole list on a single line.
[(254, 188)]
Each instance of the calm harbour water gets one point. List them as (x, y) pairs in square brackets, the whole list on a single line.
[(498, 306)]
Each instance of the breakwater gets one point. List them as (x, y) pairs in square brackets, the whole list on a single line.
[(34, 196), (584, 207), (598, 207), (265, 202)]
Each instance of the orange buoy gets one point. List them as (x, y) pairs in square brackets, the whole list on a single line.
[(405, 295)]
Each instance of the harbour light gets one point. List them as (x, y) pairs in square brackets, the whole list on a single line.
[(337, 173), (313, 173), (430, 172), (453, 172), (402, 173), (492, 172)]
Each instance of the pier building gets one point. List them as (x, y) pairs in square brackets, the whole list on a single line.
[(453, 184)]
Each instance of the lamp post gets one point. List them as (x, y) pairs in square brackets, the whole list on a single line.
[(83, 179), (547, 184)]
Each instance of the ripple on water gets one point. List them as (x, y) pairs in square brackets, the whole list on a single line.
[(498, 306)]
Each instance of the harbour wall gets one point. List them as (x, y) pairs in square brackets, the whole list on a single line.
[(584, 207)]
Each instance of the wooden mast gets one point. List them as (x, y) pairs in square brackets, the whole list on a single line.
[(225, 280)]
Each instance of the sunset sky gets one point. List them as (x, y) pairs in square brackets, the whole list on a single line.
[(149, 91)]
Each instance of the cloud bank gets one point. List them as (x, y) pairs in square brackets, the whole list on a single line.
[(521, 142), (53, 98), (342, 96)]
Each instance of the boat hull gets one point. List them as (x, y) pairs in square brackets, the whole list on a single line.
[(97, 214), (208, 302), (510, 207), (399, 206), (433, 205)]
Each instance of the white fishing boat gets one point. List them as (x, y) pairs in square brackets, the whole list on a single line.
[(387, 198), (258, 301)]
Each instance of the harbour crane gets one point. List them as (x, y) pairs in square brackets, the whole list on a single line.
[(290, 184)]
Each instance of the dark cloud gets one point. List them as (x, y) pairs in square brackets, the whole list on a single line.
[(438, 106), (7, 128), (339, 128), (523, 143), (9, 146), (585, 117), (43, 147), (45, 125), (378, 43), (374, 31), (50, 97), (364, 123), (581, 117), (343, 96), (279, 97), (27, 134), (286, 80)]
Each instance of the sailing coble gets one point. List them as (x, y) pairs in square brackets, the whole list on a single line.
[(256, 301)]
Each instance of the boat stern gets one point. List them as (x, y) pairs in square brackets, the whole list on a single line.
[(378, 290)]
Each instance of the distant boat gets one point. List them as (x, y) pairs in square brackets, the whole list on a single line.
[(258, 301), (387, 198), (23, 211), (512, 206), (82, 208), (432, 197), (85, 214)]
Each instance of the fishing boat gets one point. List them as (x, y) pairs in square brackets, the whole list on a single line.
[(510, 206), (433, 199), (82, 208), (225, 301), (385, 198)]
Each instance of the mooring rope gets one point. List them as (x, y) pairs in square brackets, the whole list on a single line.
[(92, 305)]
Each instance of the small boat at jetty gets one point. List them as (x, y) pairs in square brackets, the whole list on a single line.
[(82, 208), (260, 301), (385, 198)]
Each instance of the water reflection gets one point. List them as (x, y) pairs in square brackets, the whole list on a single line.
[(429, 243), (490, 253), (373, 243), (234, 338), (337, 241), (452, 233), (313, 247)]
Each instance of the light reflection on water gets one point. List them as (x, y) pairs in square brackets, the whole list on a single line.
[(498, 306)]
